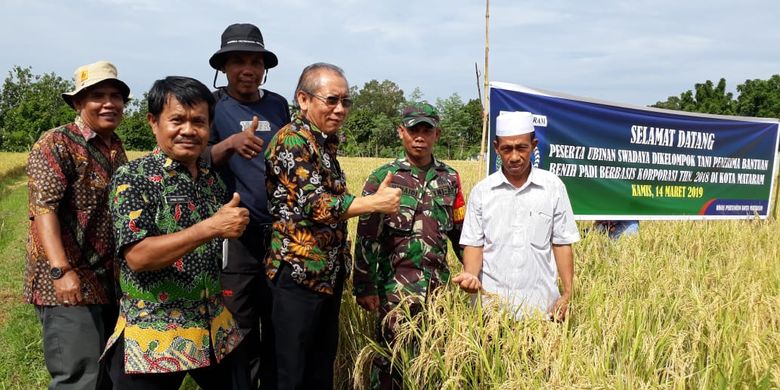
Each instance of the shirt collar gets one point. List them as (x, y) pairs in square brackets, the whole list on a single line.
[(170, 164), (403, 163), (90, 134), (85, 130), (498, 179), (326, 143), (224, 95)]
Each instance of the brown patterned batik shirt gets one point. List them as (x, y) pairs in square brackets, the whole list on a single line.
[(69, 170), (307, 194)]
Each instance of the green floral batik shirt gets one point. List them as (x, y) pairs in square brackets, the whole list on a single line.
[(307, 194), (173, 316)]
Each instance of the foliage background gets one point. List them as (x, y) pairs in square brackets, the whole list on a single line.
[(31, 104)]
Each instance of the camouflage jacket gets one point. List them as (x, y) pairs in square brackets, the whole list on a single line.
[(407, 251)]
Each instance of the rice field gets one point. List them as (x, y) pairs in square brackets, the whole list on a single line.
[(688, 304), (12, 163), (683, 304)]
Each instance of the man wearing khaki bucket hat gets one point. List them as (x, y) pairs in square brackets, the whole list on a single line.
[(70, 275)]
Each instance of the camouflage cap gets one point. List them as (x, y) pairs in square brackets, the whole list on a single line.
[(419, 112)]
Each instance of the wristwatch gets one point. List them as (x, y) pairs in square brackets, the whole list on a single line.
[(58, 272)]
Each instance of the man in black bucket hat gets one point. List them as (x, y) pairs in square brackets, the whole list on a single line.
[(242, 38), (245, 118)]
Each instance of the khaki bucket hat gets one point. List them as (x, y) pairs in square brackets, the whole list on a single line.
[(88, 75)]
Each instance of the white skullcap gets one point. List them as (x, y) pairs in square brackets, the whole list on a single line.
[(511, 123)]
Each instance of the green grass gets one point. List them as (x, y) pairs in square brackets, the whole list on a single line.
[(22, 365), (21, 346)]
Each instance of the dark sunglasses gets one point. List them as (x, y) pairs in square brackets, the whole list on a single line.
[(333, 101)]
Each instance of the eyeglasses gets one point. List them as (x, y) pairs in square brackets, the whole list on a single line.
[(333, 101)]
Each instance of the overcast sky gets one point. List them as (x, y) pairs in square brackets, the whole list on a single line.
[(635, 52)]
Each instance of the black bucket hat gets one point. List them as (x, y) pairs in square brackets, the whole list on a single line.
[(242, 37)]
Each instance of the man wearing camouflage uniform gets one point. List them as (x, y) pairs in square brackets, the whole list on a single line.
[(405, 254)]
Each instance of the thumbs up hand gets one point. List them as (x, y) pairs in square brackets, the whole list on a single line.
[(246, 143), (386, 181), (234, 201), (230, 220), (387, 200)]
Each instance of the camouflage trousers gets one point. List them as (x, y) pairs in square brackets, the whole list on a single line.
[(385, 376)]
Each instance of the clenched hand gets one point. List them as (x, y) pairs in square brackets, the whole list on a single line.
[(230, 220)]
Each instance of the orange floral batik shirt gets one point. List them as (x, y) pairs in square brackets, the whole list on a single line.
[(307, 194)]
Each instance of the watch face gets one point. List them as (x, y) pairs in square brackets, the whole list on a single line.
[(56, 273)]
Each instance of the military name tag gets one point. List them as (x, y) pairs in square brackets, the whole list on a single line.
[(405, 190), (443, 191)]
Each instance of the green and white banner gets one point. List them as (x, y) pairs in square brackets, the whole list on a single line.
[(627, 162)]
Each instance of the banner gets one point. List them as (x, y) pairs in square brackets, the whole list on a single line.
[(627, 162)]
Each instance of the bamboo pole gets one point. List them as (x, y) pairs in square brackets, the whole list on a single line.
[(777, 192), (486, 103)]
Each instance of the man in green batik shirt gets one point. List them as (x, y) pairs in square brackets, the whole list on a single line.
[(405, 254), (170, 218)]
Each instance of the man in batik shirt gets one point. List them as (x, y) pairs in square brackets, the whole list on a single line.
[(309, 255), (404, 255), (169, 223), (70, 274)]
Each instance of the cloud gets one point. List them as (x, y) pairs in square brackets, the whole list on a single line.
[(132, 5), (385, 31), (636, 51)]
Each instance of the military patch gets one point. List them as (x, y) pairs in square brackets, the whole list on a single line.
[(458, 214)]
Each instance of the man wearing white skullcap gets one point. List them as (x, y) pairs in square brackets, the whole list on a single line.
[(519, 228)]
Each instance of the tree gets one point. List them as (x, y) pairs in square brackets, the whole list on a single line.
[(416, 95), (380, 98), (707, 98), (29, 105), (473, 135), (357, 133), (461, 126), (370, 129), (760, 98), (135, 132)]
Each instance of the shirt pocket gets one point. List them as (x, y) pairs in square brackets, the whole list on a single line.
[(89, 188), (541, 229), (403, 220), (442, 212)]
